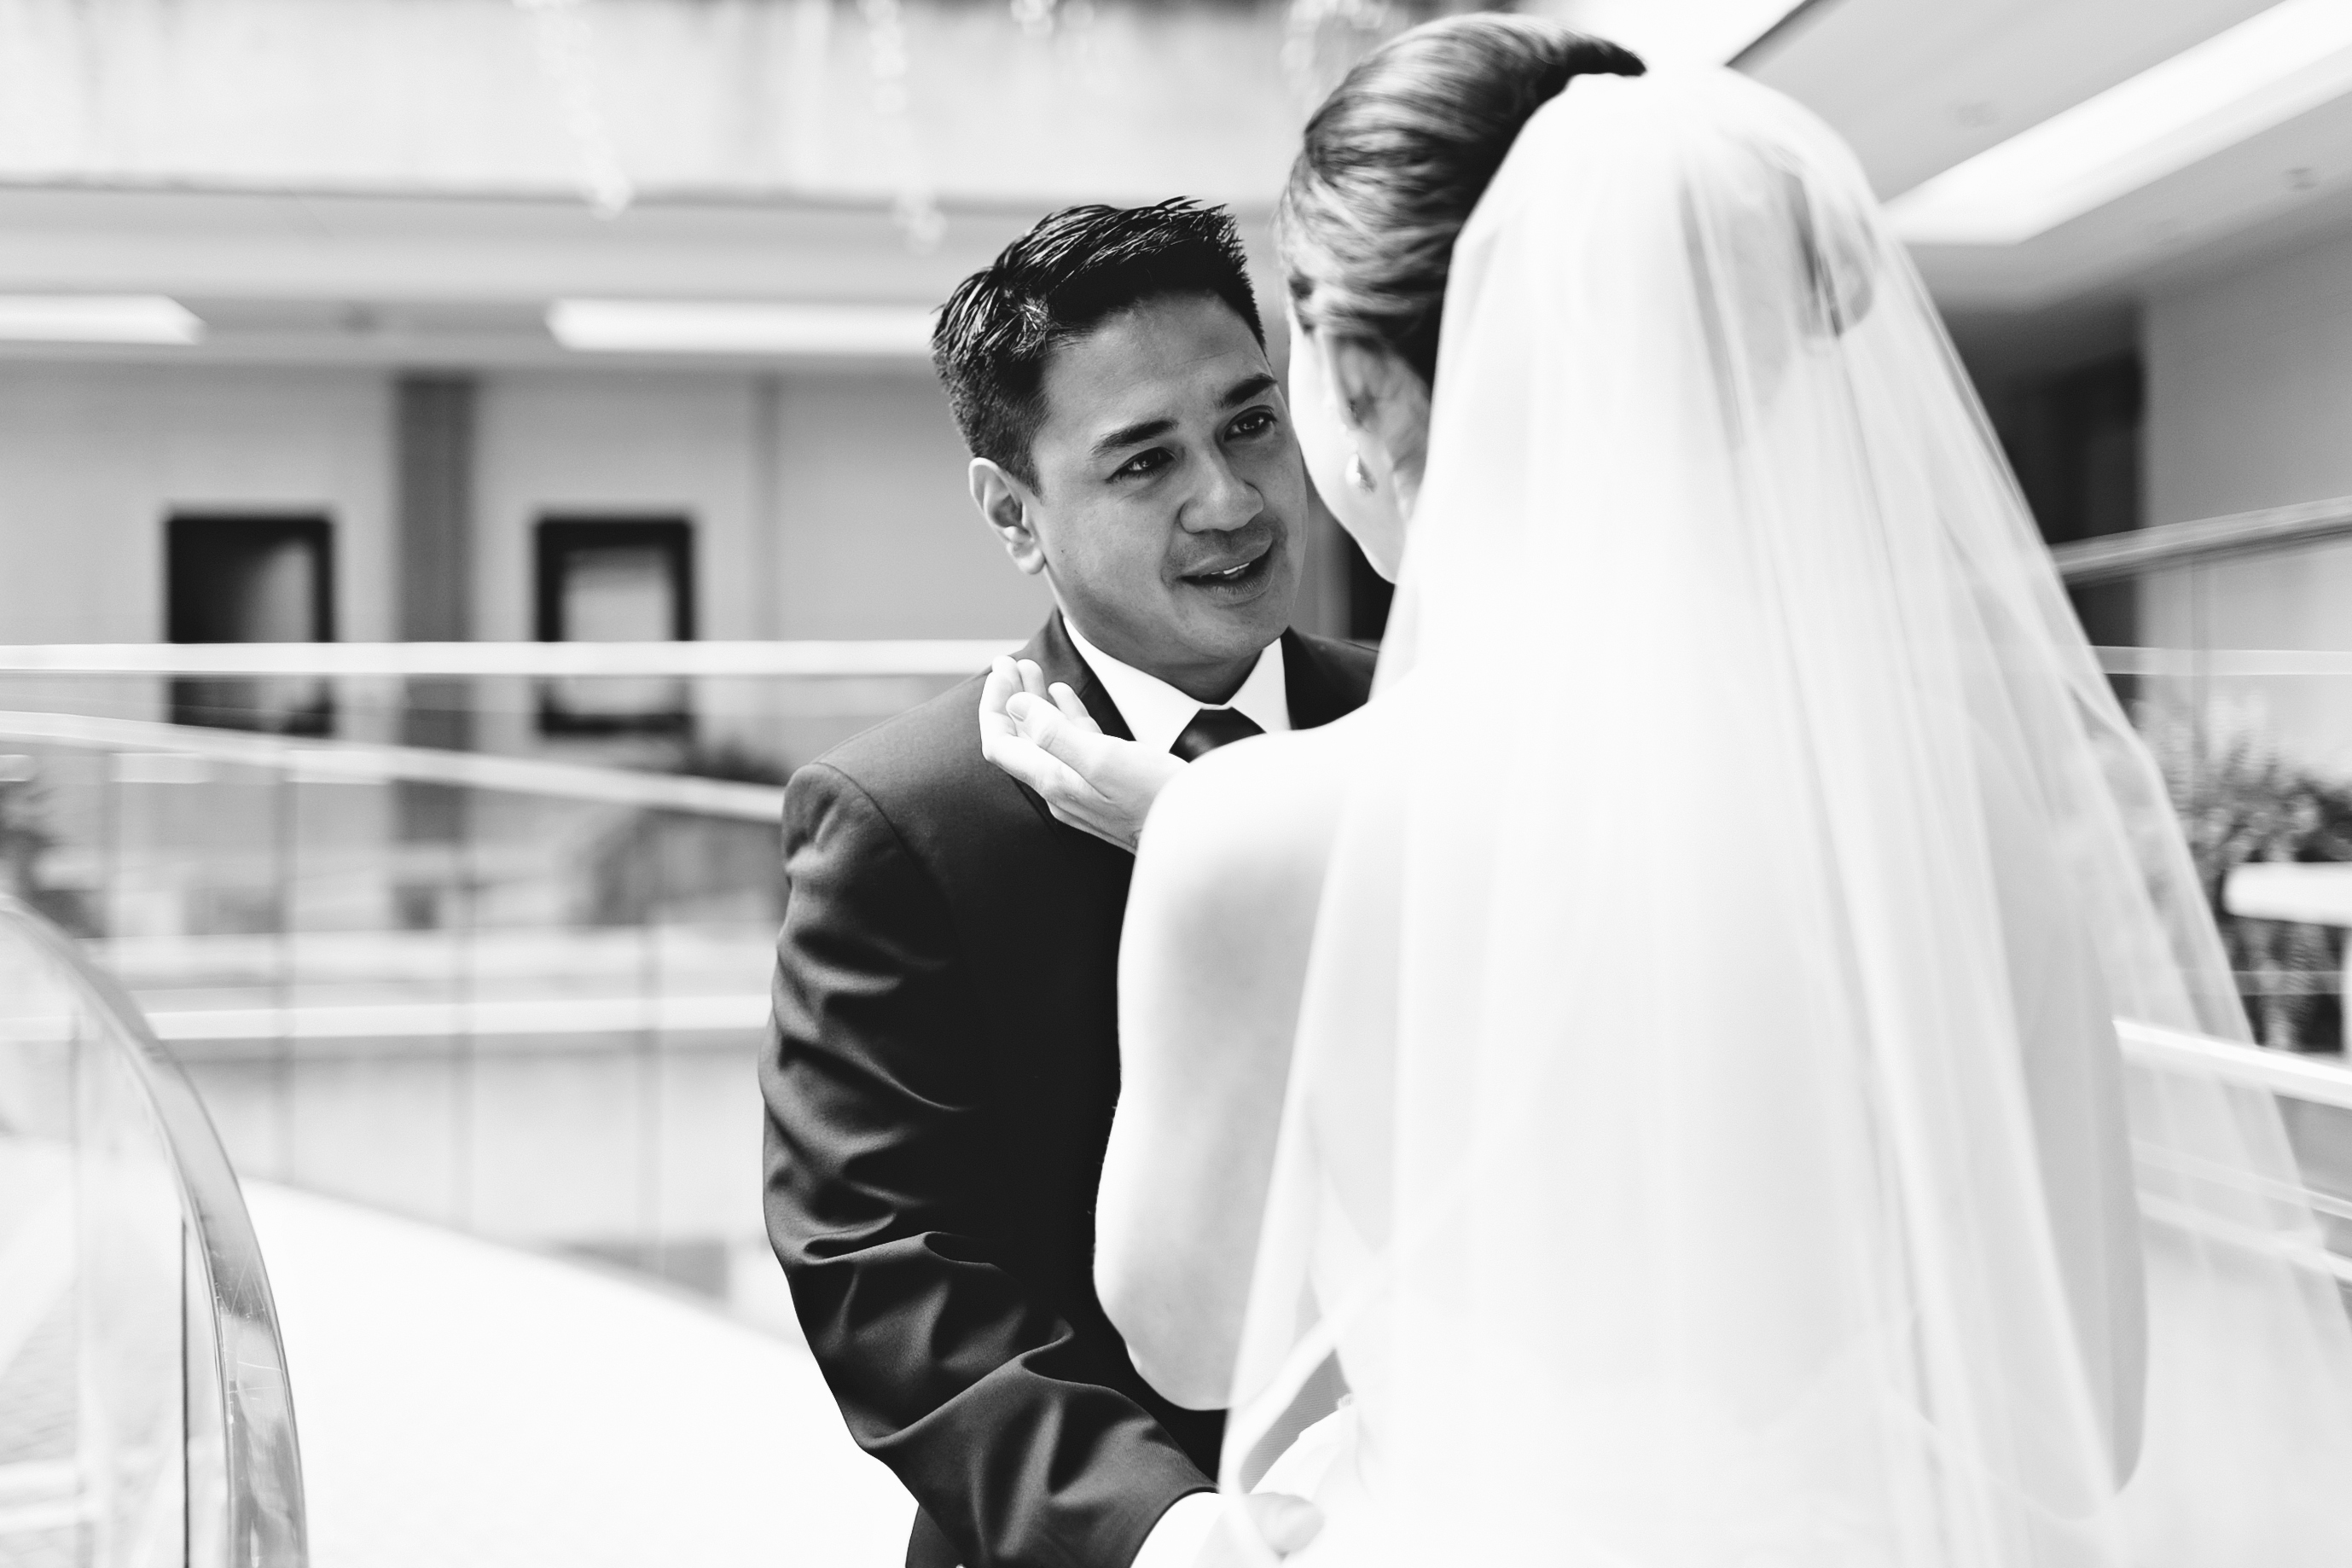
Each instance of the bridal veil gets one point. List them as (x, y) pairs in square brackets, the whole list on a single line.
[(1707, 1142)]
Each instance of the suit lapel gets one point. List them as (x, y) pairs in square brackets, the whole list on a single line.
[(1058, 657), (1316, 696)]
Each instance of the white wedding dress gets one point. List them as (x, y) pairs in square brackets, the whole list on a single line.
[(1705, 1143)]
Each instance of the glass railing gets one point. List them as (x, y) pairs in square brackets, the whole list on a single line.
[(481, 932), (145, 1417), (2314, 1102), (517, 989), (2238, 668)]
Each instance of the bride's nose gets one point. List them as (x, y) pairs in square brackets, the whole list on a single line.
[(1225, 501)]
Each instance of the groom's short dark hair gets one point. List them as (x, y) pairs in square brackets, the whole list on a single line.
[(1062, 279)]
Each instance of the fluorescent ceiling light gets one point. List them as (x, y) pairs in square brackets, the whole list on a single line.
[(1675, 32), (96, 319), (667, 326), (2261, 73)]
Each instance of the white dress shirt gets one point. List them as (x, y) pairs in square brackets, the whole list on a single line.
[(1155, 712)]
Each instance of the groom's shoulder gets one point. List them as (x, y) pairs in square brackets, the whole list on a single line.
[(922, 762)]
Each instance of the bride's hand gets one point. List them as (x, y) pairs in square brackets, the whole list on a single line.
[(1047, 740)]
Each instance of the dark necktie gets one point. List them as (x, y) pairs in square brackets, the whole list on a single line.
[(1211, 728)]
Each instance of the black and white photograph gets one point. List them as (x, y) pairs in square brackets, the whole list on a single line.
[(1175, 783)]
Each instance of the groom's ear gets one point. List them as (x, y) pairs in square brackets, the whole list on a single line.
[(1006, 503)]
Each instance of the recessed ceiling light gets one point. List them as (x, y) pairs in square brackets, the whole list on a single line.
[(702, 327), (96, 319), (2262, 72)]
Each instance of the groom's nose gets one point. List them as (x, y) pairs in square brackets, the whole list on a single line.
[(1225, 501)]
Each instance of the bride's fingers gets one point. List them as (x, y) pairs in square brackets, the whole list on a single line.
[(1062, 787), (1043, 725), (1002, 683), (1033, 677), (1034, 744), (1078, 743), (1057, 734), (1284, 1522), (1072, 709), (1032, 716)]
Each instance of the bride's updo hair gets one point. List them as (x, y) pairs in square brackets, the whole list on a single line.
[(1399, 155)]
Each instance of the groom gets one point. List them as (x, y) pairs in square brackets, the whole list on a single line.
[(944, 1055)]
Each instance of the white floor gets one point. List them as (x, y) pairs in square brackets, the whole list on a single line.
[(461, 1404)]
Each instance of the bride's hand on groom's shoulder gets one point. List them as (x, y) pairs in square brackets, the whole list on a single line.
[(1047, 740)]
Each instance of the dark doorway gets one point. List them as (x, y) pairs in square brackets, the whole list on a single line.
[(246, 578), (615, 580), (2075, 439)]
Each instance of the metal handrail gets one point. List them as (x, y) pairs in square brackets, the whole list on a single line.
[(263, 1524), (2120, 555), (2279, 1072), (799, 660), (353, 762)]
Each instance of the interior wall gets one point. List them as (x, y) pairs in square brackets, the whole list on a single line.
[(2250, 406), (825, 504), (858, 479), (877, 536), (567, 445), (94, 458)]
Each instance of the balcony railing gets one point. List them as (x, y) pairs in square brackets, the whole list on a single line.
[(2173, 546), (515, 989), (2240, 676), (2315, 1101), (448, 962), (145, 1416)]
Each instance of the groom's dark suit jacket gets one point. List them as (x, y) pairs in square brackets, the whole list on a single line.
[(941, 1070)]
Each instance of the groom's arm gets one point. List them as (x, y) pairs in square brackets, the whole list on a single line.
[(1003, 1425)]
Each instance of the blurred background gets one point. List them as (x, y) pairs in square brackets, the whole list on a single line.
[(457, 457)]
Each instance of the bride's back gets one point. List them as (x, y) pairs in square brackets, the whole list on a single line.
[(1221, 922), (1680, 1036)]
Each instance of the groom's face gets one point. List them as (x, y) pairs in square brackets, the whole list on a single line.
[(1170, 495)]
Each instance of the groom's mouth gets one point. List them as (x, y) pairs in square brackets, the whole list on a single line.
[(1236, 579)]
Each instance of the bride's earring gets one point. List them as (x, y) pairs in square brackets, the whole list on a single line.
[(1360, 476)]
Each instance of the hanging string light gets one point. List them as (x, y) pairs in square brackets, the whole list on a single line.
[(565, 43), (916, 205)]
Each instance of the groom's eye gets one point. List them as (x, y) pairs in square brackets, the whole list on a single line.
[(1143, 463), (1256, 422)]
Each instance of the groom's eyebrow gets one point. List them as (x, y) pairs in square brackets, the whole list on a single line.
[(1129, 435), (1249, 386), (1241, 392)]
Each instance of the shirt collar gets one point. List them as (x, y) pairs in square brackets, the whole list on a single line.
[(1155, 712)]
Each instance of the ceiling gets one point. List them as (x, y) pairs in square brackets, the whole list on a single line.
[(359, 244), (1918, 86)]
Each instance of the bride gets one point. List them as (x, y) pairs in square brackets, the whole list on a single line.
[(1645, 1090)]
